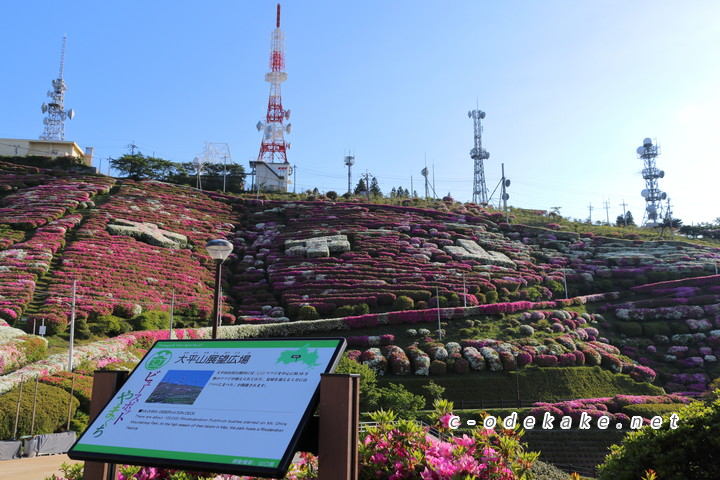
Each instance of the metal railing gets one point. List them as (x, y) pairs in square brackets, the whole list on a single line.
[(432, 431), (481, 404)]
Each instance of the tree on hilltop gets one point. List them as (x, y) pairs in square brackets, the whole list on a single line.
[(375, 188), (137, 166), (627, 220), (360, 188)]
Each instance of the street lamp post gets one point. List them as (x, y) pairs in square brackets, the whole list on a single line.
[(517, 380), (218, 250)]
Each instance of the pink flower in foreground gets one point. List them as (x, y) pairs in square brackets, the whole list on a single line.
[(445, 420), (464, 441)]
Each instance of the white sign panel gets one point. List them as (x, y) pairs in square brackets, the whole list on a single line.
[(235, 406)]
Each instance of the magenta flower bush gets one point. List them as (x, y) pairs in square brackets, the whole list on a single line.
[(399, 362), (375, 360)]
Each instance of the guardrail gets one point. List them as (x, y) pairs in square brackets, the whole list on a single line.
[(432, 431), (481, 404)]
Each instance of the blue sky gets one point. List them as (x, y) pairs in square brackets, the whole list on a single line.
[(570, 90)]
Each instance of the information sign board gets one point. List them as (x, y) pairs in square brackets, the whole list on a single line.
[(226, 406)]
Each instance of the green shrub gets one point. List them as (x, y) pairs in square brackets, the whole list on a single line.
[(649, 410), (152, 320), (110, 325), (344, 311), (481, 298), (438, 367), (82, 329), (82, 389), (35, 348), (631, 329), (396, 398), (679, 327), (650, 329), (403, 302), (368, 381), (491, 296), (308, 312), (686, 452), (79, 422), (361, 309), (547, 383), (50, 413)]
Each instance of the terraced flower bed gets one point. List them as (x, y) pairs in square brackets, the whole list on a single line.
[(119, 274)]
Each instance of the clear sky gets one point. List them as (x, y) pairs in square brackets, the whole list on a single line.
[(570, 89)]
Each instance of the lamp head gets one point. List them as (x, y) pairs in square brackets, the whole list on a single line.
[(219, 249)]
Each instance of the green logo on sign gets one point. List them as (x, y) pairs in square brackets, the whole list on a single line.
[(158, 360), (301, 355)]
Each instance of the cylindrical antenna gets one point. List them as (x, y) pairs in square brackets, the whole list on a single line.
[(277, 22), (62, 56)]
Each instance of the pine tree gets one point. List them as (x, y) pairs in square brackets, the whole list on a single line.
[(375, 188), (361, 188)]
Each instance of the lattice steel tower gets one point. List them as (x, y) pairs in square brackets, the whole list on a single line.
[(273, 147), (652, 194), (478, 154), (55, 109)]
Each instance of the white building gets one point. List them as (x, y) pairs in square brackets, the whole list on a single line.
[(272, 177), (14, 147)]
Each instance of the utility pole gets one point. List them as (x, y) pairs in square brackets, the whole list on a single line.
[(505, 195), (295, 178), (607, 211), (367, 185), (224, 171), (590, 207), (72, 328), (433, 184), (623, 204), (172, 314)]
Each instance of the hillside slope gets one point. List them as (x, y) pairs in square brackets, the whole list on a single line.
[(130, 247)]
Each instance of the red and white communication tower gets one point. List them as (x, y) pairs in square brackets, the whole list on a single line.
[(272, 170)]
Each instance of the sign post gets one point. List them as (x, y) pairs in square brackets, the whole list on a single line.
[(106, 383), (339, 420)]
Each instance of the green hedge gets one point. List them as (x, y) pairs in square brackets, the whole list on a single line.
[(631, 329), (649, 410), (651, 329), (50, 413), (81, 388), (545, 384)]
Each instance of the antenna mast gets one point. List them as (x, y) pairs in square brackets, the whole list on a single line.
[(478, 154), (273, 148), (652, 194), (349, 162), (55, 120)]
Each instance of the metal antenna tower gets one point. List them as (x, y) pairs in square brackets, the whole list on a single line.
[(478, 154), (651, 193), (55, 109), (273, 147), (349, 162), (213, 153)]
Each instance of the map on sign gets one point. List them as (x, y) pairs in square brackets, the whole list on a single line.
[(226, 406), (301, 355)]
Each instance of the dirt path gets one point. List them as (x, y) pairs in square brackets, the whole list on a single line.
[(36, 468)]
